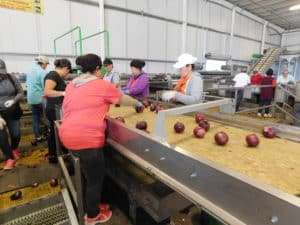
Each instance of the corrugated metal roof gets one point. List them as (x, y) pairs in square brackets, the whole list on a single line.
[(274, 11)]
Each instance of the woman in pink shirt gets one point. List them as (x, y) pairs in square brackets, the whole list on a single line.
[(86, 102)]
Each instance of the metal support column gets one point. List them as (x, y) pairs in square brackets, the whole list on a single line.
[(102, 27), (184, 26), (232, 31), (263, 38)]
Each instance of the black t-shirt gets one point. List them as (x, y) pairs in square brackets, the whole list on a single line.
[(60, 86)]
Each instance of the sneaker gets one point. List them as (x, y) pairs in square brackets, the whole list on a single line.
[(258, 114), (102, 217), (10, 163), (270, 115), (41, 139), (265, 115), (16, 154), (104, 207)]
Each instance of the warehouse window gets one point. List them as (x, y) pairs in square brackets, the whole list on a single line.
[(214, 64)]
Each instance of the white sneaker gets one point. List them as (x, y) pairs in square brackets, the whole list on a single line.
[(265, 115), (258, 114), (270, 115)]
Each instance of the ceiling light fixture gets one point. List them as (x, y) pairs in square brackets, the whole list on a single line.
[(295, 7)]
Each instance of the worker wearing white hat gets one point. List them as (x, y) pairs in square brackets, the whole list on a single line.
[(189, 88), (35, 91)]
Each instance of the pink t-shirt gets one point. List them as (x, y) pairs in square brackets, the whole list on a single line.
[(84, 107)]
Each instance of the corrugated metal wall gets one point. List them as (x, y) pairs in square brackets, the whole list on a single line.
[(147, 29)]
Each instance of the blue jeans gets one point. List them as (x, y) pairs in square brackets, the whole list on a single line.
[(92, 171), (37, 112), (15, 134), (264, 103), (297, 113)]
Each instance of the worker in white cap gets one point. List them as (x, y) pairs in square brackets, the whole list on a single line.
[(35, 91), (189, 89)]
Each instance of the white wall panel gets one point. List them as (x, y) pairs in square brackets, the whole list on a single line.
[(157, 39), (54, 22), (173, 41), (243, 49), (139, 5), (174, 9), (18, 31), (155, 67), (158, 7), (291, 41), (193, 11), (115, 23), (120, 3), (89, 26), (137, 36), (204, 13), (192, 41), (216, 43)]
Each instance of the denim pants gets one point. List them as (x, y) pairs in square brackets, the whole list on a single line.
[(264, 103), (15, 134), (239, 98), (297, 113), (37, 112), (51, 116), (92, 171)]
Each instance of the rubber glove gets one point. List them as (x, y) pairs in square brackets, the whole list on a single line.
[(139, 104), (9, 103), (2, 123), (125, 92), (168, 95)]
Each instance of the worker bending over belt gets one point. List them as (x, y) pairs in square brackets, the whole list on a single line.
[(86, 103)]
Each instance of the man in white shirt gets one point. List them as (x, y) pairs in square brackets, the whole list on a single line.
[(241, 81), (286, 79)]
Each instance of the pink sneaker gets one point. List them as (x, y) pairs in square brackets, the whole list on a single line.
[(16, 154), (102, 217), (10, 163), (104, 207)]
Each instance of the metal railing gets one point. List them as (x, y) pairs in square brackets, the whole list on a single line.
[(77, 28), (106, 34)]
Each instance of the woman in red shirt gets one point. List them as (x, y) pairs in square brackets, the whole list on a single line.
[(86, 102)]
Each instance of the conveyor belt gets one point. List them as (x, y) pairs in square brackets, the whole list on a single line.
[(274, 161)]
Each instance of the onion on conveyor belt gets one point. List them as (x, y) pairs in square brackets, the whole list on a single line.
[(274, 161)]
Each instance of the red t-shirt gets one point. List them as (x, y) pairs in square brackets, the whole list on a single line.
[(256, 79), (84, 109)]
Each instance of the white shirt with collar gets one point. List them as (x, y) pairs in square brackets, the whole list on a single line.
[(241, 80)]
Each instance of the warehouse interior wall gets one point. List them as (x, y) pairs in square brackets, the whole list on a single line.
[(146, 29)]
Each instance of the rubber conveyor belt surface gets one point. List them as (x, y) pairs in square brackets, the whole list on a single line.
[(273, 161)]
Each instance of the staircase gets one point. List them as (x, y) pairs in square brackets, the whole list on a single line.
[(267, 60)]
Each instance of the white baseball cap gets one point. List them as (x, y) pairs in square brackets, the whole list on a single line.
[(183, 60), (42, 59)]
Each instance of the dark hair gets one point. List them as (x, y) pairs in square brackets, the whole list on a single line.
[(269, 72), (107, 61), (61, 63), (137, 63), (89, 62), (244, 69)]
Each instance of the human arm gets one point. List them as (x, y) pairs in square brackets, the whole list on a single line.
[(49, 89), (20, 94), (2, 123), (139, 86)]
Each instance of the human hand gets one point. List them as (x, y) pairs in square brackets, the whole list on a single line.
[(125, 92), (139, 104), (2, 123), (168, 95), (9, 103)]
